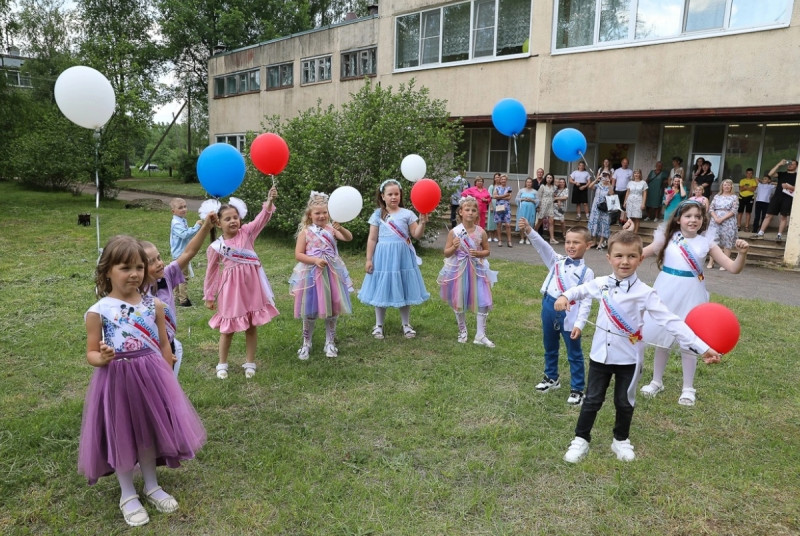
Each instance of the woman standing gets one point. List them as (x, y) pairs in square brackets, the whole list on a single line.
[(722, 219), (634, 199), (656, 182), (527, 202), (502, 209), (705, 179), (491, 226), (547, 193), (483, 197), (579, 179), (673, 195), (600, 220), (605, 167)]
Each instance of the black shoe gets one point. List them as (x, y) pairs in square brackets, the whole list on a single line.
[(185, 303)]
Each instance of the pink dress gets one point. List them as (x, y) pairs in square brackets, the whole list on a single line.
[(243, 294)]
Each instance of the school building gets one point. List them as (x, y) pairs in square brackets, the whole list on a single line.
[(642, 79)]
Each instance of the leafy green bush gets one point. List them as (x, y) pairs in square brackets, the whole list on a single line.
[(187, 168), (360, 145)]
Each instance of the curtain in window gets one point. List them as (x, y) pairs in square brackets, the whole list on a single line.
[(614, 19), (455, 33), (575, 26), (407, 46), (513, 26), (483, 34)]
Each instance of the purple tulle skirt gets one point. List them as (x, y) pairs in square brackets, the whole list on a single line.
[(135, 403)]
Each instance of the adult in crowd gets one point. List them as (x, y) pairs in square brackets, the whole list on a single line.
[(657, 180), (722, 219), (491, 226), (483, 197), (781, 202), (579, 179), (705, 179), (747, 190), (619, 183)]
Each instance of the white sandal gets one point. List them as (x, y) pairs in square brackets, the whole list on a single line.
[(462, 336), (222, 371), (331, 350), (687, 397), (377, 332), (249, 370), (136, 518), (167, 505), (652, 389), (302, 353), (408, 331)]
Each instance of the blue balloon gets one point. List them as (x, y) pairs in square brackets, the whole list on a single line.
[(509, 117), (220, 169), (569, 144)]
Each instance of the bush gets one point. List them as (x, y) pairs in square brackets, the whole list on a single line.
[(360, 145)]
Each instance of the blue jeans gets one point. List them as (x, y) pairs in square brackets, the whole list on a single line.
[(552, 329)]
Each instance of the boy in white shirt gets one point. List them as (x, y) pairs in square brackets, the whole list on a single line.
[(617, 346)]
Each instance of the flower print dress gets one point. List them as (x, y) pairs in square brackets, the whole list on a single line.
[(134, 402)]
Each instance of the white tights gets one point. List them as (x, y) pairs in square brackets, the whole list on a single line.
[(688, 361)]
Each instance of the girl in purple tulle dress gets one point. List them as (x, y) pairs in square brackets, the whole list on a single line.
[(135, 411)]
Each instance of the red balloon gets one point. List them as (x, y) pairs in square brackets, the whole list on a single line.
[(269, 153), (425, 195), (716, 325)]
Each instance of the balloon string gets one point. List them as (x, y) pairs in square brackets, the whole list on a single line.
[(588, 167), (515, 150), (97, 185), (271, 176), (626, 337)]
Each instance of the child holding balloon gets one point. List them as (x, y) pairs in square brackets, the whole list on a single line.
[(235, 284), (465, 280), (320, 283), (680, 245), (393, 277)]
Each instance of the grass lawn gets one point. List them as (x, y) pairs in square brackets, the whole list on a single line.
[(399, 437), (161, 182)]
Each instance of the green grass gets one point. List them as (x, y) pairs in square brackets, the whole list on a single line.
[(400, 437), (160, 182)]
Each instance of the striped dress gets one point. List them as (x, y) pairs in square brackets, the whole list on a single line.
[(466, 282)]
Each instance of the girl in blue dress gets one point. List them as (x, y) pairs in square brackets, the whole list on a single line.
[(393, 278)]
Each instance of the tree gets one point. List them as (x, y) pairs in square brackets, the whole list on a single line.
[(360, 145)]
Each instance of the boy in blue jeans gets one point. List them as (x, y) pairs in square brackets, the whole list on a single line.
[(565, 273), (617, 346), (179, 235)]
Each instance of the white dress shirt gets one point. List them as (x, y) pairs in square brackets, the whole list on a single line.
[(632, 298)]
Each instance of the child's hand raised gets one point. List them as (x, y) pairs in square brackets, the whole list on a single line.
[(628, 225), (741, 246), (524, 225), (273, 193)]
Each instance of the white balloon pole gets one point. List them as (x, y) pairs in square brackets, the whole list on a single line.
[(97, 187)]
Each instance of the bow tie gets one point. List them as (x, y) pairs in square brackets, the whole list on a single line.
[(627, 286), (569, 261)]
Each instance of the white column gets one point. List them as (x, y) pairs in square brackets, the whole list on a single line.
[(791, 255), (541, 150)]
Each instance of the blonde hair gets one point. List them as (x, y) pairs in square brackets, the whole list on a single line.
[(315, 199), (174, 203), (723, 183), (466, 200)]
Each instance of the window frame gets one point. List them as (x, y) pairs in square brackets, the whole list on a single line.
[(683, 35), (239, 137), (280, 68), (471, 58), (237, 79), (318, 64), (344, 59)]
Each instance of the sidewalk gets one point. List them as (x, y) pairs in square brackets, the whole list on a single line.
[(774, 285)]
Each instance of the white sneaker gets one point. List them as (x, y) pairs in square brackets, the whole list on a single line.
[(652, 389), (331, 350), (222, 371), (527, 241), (302, 353), (623, 450), (462, 336), (521, 240), (577, 450), (483, 341)]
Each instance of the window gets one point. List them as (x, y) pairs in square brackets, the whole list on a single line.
[(359, 64), (602, 23), (488, 151), (463, 31), (315, 70), (237, 83), (17, 78), (237, 140), (280, 76)]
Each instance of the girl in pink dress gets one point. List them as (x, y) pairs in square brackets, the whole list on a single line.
[(135, 412), (320, 283), (236, 285)]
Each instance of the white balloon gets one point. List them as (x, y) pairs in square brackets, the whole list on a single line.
[(85, 96), (413, 167), (345, 204)]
